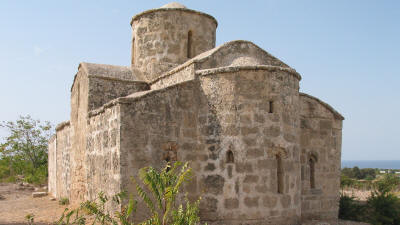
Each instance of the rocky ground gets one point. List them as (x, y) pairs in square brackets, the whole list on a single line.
[(361, 195), (16, 202)]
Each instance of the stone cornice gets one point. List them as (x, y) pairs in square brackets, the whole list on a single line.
[(229, 69), (61, 125)]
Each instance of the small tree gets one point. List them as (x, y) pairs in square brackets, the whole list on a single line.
[(25, 148)]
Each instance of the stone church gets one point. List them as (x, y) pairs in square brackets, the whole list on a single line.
[(262, 152)]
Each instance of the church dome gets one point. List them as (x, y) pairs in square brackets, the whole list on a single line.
[(173, 5)]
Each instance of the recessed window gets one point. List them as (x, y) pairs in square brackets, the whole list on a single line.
[(271, 106), (311, 163), (229, 157), (189, 45), (279, 174)]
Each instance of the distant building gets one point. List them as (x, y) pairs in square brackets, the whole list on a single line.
[(262, 152), (382, 171)]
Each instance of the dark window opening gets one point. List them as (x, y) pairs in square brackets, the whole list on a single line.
[(189, 45), (279, 174), (271, 106), (312, 162), (229, 157)]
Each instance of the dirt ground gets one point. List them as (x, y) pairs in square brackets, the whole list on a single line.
[(16, 202)]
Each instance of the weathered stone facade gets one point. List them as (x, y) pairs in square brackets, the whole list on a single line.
[(263, 152)]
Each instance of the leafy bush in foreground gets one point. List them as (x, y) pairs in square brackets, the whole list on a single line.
[(382, 208), (158, 190)]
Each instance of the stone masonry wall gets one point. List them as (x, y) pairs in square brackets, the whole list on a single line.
[(321, 138), (207, 118), (52, 166), (79, 110), (239, 101), (102, 154), (103, 90), (153, 123), (63, 162), (160, 39)]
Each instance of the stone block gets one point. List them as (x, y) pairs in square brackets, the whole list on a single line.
[(213, 184), (285, 201), (270, 201), (325, 124), (250, 179), (209, 204), (266, 164), (255, 152), (243, 167), (251, 201), (209, 167), (39, 194), (231, 203), (248, 130), (273, 131)]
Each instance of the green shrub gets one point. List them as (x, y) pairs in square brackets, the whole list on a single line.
[(30, 218), (157, 189), (63, 201), (350, 209), (385, 209), (383, 204)]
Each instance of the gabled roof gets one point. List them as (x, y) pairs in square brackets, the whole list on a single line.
[(104, 71), (232, 54), (110, 71), (237, 53), (335, 113)]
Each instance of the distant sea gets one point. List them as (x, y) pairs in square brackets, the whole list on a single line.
[(380, 164)]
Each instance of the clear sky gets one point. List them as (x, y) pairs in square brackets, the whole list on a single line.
[(346, 51)]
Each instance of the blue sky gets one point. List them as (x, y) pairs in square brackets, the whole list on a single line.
[(346, 51)]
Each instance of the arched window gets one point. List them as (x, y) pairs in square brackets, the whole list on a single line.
[(311, 163), (279, 174), (189, 45), (229, 157)]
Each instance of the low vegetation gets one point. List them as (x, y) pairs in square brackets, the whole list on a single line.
[(63, 201), (157, 190), (23, 153), (382, 206)]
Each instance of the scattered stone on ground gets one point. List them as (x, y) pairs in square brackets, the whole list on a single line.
[(361, 195), (39, 194)]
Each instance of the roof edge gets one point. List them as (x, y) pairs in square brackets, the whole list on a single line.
[(326, 105), (137, 16), (228, 69), (205, 55), (131, 98), (61, 125)]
